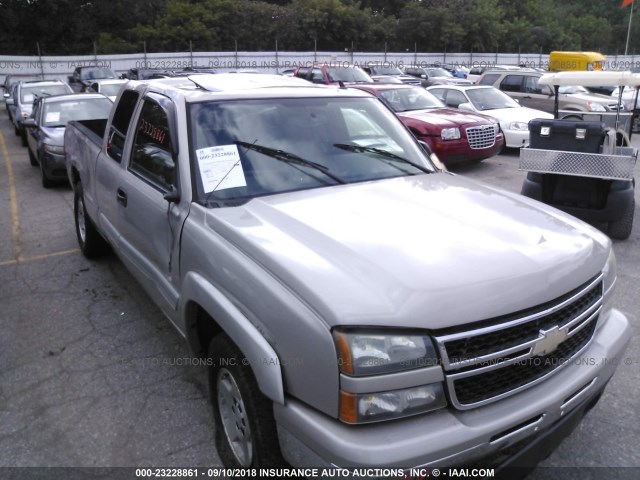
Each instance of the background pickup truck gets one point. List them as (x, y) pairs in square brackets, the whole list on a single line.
[(358, 305)]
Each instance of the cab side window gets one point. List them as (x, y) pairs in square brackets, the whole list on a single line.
[(120, 124), (488, 79), (512, 83), (152, 158), (531, 85), (317, 76)]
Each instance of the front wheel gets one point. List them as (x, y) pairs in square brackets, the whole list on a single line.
[(245, 430), (46, 181), (32, 158), (90, 241), (621, 229)]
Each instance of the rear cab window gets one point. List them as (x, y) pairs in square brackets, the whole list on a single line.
[(120, 124)]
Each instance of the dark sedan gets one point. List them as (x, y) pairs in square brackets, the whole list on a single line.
[(453, 135), (45, 129)]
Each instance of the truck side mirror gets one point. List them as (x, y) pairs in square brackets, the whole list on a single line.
[(173, 195), (29, 122)]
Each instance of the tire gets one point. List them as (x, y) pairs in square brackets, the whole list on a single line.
[(90, 241), (23, 138), (46, 182), (16, 130), (621, 229), (245, 430), (32, 158)]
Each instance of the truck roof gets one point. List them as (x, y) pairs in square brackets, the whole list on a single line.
[(204, 87)]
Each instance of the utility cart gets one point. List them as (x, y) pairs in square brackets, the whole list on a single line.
[(584, 167)]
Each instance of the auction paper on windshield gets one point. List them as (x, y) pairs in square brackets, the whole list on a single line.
[(220, 168)]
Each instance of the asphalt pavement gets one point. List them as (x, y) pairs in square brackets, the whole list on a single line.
[(92, 374)]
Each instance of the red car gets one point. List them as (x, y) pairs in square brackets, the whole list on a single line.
[(333, 74), (454, 135)]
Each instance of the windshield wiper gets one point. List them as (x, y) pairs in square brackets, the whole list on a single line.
[(382, 153), (290, 158)]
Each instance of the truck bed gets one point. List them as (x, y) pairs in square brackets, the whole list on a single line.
[(82, 143)]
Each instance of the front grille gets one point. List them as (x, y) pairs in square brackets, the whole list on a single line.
[(502, 356), (482, 137), (614, 107), (475, 389)]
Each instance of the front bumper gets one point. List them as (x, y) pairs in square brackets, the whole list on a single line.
[(451, 152), (448, 438), (516, 138)]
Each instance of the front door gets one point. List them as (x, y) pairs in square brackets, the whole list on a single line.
[(150, 226)]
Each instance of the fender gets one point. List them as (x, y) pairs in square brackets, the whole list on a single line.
[(262, 358)]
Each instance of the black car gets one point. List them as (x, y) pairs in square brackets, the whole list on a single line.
[(45, 129), (82, 76)]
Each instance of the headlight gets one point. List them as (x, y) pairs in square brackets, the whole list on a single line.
[(54, 149), (373, 407), (378, 354), (595, 107), (450, 133), (361, 353), (523, 126)]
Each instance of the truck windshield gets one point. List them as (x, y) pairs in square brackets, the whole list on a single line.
[(249, 148)]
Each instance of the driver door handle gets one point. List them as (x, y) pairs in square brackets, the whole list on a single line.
[(121, 196)]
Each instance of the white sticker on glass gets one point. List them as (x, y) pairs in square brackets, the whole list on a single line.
[(220, 168), (52, 117)]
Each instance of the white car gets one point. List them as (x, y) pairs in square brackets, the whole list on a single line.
[(513, 117)]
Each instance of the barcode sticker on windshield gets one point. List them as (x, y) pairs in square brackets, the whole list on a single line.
[(52, 117), (220, 168)]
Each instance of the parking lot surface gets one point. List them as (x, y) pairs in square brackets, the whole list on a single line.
[(92, 374)]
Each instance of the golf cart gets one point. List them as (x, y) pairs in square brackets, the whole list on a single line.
[(584, 167)]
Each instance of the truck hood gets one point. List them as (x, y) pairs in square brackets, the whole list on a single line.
[(428, 251), (445, 117)]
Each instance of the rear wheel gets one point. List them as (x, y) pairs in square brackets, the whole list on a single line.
[(23, 138), (621, 229), (90, 241), (245, 430)]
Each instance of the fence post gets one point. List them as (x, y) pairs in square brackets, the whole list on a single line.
[(40, 60), (415, 53), (315, 50), (235, 61), (540, 58), (277, 63), (191, 53)]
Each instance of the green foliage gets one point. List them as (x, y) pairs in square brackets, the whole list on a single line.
[(118, 26)]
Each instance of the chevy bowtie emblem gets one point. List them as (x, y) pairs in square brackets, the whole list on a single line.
[(548, 341)]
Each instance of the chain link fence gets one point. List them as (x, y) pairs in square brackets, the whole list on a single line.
[(60, 67)]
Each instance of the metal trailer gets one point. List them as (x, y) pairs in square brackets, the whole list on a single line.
[(589, 173)]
